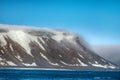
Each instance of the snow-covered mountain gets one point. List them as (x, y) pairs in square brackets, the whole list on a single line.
[(46, 48)]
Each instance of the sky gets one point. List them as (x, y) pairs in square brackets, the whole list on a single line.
[(98, 21)]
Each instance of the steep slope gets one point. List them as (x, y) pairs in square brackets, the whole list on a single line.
[(46, 48), (109, 52)]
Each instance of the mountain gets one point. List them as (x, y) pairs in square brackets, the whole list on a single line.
[(47, 48), (109, 52)]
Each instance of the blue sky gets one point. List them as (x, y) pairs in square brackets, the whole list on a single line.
[(98, 21)]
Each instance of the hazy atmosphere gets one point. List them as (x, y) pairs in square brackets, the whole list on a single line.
[(59, 39), (98, 21)]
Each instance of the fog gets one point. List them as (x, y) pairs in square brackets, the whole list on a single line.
[(111, 53)]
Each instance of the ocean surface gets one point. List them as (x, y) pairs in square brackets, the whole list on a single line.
[(36, 74)]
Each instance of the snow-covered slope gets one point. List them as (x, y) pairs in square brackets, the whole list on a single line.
[(46, 48)]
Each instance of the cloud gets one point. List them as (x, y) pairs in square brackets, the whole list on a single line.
[(15, 27)]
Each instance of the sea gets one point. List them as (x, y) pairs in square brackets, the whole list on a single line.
[(42, 74)]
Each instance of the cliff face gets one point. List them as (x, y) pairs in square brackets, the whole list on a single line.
[(44, 48)]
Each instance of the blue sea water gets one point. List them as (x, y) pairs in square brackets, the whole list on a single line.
[(31, 74)]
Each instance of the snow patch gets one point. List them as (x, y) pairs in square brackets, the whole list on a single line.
[(103, 66), (60, 56), (2, 63), (64, 63), (11, 63), (23, 39), (1, 59), (67, 48), (2, 40), (59, 37), (11, 47), (42, 40), (82, 64), (55, 64), (81, 56), (44, 56), (103, 60), (96, 62), (2, 51), (18, 57), (36, 40), (72, 64), (112, 67), (33, 64), (99, 65)]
